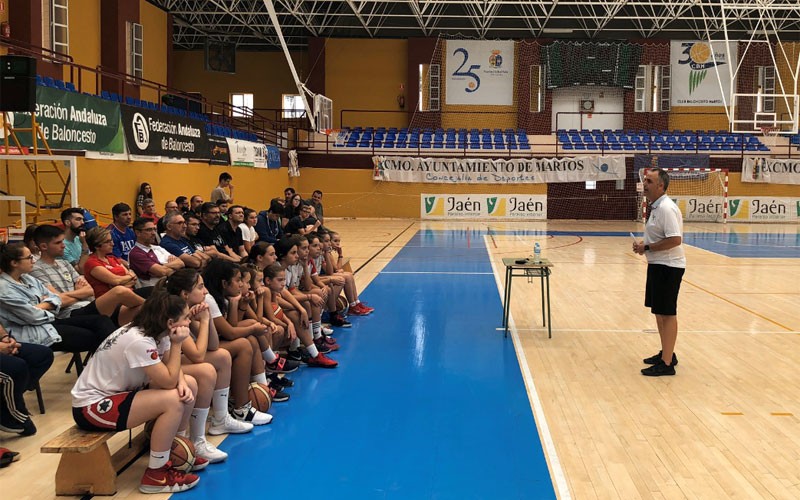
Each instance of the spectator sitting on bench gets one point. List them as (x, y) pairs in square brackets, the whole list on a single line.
[(21, 367), (175, 242), (183, 204), (136, 377), (268, 226), (292, 209), (303, 223), (29, 310), (231, 232), (27, 239), (121, 232), (120, 304), (195, 203), (76, 251), (170, 206), (209, 234), (104, 270), (149, 261)]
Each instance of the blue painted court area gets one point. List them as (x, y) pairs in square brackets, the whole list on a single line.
[(428, 400)]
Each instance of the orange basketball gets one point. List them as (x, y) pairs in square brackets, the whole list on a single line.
[(259, 396), (182, 454)]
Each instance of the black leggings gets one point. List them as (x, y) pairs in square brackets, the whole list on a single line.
[(82, 333), (20, 373)]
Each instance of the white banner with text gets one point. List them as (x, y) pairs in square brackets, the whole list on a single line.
[(763, 209), (701, 72), (480, 72), (479, 206), (771, 170), (247, 154), (498, 171)]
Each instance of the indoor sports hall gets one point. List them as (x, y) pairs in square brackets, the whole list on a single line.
[(486, 166)]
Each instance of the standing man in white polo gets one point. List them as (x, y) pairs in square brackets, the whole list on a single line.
[(666, 263)]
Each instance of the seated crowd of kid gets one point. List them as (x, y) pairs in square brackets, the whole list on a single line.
[(179, 322)]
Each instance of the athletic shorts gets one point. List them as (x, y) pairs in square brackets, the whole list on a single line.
[(661, 291), (277, 311), (108, 414)]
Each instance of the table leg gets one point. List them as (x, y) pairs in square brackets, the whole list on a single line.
[(541, 283), (506, 302), (549, 320)]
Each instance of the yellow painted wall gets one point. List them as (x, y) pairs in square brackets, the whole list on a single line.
[(84, 42), (698, 118), (154, 25), (367, 74), (264, 74), (102, 183)]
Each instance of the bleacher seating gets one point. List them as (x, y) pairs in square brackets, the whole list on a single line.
[(658, 140)]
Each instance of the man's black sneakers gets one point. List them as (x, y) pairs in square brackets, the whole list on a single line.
[(652, 360), (659, 369)]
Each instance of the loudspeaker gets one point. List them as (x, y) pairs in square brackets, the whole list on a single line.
[(17, 83)]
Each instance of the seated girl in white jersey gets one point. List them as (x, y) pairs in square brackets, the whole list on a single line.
[(134, 377), (202, 347), (334, 258), (223, 281), (313, 353)]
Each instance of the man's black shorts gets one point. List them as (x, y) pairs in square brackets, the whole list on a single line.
[(661, 291)]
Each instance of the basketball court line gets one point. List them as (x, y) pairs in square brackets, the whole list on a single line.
[(559, 479), (431, 272), (648, 331), (738, 305)]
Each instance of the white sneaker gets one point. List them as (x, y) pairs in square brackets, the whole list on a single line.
[(249, 414), (203, 448), (229, 425), (327, 331)]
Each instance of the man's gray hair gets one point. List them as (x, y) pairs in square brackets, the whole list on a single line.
[(170, 216)]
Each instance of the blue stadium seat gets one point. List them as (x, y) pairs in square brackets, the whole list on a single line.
[(40, 81), (49, 82), (106, 95), (70, 87)]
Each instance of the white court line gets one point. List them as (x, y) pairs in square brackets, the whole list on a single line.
[(559, 478), (431, 272), (612, 330)]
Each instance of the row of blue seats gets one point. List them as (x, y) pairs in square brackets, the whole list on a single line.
[(233, 133), (47, 81), (663, 147), (441, 131), (795, 140)]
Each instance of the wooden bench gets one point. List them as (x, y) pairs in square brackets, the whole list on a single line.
[(87, 465)]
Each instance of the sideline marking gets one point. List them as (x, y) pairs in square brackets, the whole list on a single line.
[(432, 272), (739, 306), (559, 479), (732, 413)]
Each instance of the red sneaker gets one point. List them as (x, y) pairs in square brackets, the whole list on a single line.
[(322, 361), (324, 345), (167, 480), (200, 463), (356, 311), (367, 309)]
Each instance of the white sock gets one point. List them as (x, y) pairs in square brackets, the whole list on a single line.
[(316, 327), (353, 304), (295, 345), (182, 433), (197, 424), (314, 334), (269, 355), (312, 351), (219, 402), (158, 459), (261, 378)]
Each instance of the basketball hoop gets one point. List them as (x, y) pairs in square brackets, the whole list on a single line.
[(769, 130)]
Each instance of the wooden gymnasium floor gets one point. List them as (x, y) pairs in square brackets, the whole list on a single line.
[(725, 427)]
